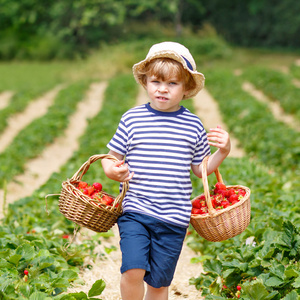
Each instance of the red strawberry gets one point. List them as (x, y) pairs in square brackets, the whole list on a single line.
[(231, 192), (105, 199), (90, 190), (198, 203), (97, 186), (234, 197), (225, 203), (238, 287), (220, 186), (241, 192), (82, 185), (204, 210), (219, 198), (196, 211), (25, 272)]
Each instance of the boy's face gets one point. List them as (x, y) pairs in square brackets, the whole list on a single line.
[(165, 95)]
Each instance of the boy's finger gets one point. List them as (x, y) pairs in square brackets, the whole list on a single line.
[(119, 163)]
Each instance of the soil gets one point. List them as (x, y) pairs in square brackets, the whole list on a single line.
[(38, 171)]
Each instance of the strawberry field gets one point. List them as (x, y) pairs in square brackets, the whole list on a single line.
[(262, 263)]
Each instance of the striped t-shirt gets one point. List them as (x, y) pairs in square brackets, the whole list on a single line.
[(159, 148)]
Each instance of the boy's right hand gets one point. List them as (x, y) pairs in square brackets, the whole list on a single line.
[(121, 171), (116, 170)]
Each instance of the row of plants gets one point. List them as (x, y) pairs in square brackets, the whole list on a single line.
[(36, 136), (260, 134), (37, 243), (263, 262), (28, 82), (276, 85)]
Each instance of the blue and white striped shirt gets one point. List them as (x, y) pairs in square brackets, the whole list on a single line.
[(159, 148)]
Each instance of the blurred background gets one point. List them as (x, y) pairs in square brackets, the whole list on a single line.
[(68, 29)]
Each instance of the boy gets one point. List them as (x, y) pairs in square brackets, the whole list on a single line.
[(162, 141)]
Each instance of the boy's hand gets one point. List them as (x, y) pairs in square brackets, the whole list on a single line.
[(121, 172), (219, 138)]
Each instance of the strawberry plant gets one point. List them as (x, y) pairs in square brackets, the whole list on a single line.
[(277, 86), (276, 146), (32, 140)]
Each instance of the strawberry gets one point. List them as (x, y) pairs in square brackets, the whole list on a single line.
[(25, 272), (233, 197), (90, 190), (220, 186), (241, 192), (196, 203), (238, 287), (196, 211), (82, 185), (225, 203), (203, 210), (219, 198), (106, 200), (97, 186)]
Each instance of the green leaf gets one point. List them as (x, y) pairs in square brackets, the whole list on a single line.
[(291, 296), (97, 288), (200, 259), (213, 266), (26, 251), (274, 281), (255, 290), (290, 272), (5, 264), (75, 296), (14, 259), (296, 283), (38, 296), (70, 275)]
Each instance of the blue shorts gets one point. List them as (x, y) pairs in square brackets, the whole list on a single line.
[(152, 245)]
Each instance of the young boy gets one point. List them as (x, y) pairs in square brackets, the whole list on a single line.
[(161, 142)]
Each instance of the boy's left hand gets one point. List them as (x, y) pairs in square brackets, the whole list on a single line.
[(219, 138)]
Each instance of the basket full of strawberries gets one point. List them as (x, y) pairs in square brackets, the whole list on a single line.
[(223, 212), (88, 205)]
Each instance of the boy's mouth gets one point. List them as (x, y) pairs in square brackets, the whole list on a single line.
[(162, 98)]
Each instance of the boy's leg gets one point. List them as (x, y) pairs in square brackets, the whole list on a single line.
[(156, 293), (132, 284)]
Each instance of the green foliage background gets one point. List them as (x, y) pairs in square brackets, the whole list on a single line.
[(67, 29)]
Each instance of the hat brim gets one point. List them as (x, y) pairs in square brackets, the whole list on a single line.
[(197, 76)]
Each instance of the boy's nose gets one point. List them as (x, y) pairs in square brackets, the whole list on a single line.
[(162, 88)]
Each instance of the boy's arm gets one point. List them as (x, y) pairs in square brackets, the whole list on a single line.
[(116, 170), (219, 138)]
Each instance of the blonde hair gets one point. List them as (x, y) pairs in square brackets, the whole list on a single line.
[(164, 69)]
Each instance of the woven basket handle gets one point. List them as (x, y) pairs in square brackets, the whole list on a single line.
[(84, 168), (211, 210)]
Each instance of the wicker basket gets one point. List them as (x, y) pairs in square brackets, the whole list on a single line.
[(81, 209), (220, 225)]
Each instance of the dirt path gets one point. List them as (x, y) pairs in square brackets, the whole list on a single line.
[(36, 109), (5, 98), (274, 106), (38, 170)]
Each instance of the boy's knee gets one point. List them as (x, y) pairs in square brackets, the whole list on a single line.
[(133, 276)]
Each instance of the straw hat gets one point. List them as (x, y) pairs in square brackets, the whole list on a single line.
[(177, 52)]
